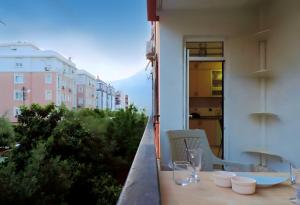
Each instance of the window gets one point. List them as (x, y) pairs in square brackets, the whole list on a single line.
[(63, 98), (18, 95), (48, 95), (63, 84), (19, 65), (17, 111), (81, 89), (80, 101), (19, 78), (206, 49), (216, 82), (58, 82), (48, 78)]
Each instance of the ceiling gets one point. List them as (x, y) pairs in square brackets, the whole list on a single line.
[(205, 4)]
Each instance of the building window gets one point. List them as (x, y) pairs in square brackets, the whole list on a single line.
[(63, 84), (80, 101), (58, 82), (81, 89), (48, 95), (63, 98), (19, 78), (18, 95), (19, 65), (206, 49), (48, 78), (17, 111)]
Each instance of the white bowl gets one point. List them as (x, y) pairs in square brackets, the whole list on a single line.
[(223, 178), (243, 185)]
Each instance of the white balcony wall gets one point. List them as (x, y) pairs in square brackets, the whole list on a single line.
[(242, 94), (283, 18)]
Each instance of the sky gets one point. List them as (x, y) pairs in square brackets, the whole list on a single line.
[(105, 37)]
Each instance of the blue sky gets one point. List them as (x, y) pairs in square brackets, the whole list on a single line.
[(104, 37)]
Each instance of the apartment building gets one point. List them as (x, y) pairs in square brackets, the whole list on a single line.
[(101, 90), (105, 95), (121, 100), (110, 102), (86, 89), (31, 75)]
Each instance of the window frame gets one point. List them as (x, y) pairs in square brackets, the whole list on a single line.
[(47, 98), (18, 75), (19, 65), (21, 95), (48, 78), (17, 111)]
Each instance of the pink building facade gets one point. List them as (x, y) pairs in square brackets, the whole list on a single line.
[(29, 75), (86, 89)]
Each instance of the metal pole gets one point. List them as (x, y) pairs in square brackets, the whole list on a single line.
[(23, 94)]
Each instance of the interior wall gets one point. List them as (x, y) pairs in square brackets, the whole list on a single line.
[(283, 96), (236, 28)]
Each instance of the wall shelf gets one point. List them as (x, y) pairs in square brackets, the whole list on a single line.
[(264, 114), (263, 155), (262, 34), (262, 151), (264, 73)]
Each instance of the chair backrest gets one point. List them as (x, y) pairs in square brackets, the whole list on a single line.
[(195, 138)]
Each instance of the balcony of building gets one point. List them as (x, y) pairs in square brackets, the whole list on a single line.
[(147, 183), (253, 46)]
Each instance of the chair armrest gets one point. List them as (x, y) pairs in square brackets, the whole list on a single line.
[(237, 166)]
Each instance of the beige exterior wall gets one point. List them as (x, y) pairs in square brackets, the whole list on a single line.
[(66, 91), (86, 90), (6, 95), (38, 90), (80, 95), (44, 76)]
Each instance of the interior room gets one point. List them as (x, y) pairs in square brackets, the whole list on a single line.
[(206, 101)]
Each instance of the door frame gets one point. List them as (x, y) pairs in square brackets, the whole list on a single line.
[(186, 79), (185, 72)]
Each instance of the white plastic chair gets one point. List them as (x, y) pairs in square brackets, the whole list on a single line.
[(196, 138)]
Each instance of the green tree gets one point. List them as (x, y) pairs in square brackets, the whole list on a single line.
[(126, 130), (42, 181), (69, 157), (124, 134), (7, 133)]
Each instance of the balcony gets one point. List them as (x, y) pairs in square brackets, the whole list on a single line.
[(147, 184), (142, 184)]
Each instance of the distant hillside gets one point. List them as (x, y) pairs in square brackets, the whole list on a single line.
[(138, 88)]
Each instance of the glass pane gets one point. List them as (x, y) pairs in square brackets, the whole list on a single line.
[(206, 49)]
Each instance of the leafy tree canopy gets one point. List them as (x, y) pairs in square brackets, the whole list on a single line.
[(68, 157)]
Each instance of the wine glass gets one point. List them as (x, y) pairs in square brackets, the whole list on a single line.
[(295, 181), (195, 161)]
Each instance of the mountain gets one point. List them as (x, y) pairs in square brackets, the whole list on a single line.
[(139, 90)]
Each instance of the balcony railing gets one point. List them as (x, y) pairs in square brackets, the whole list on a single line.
[(142, 185)]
